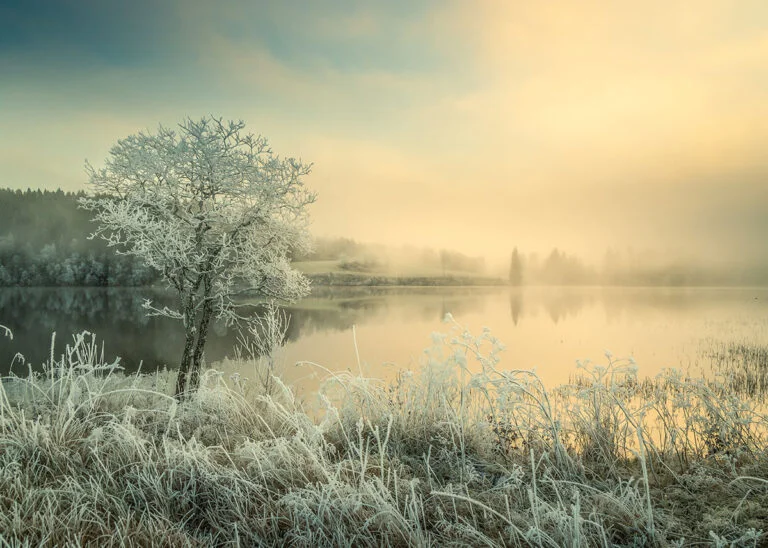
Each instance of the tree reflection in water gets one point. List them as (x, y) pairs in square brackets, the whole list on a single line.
[(116, 316)]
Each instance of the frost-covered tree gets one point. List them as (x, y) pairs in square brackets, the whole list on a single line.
[(214, 211)]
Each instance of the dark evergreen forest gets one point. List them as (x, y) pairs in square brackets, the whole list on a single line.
[(44, 242)]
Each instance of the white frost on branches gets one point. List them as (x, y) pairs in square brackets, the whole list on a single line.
[(214, 211), (211, 208)]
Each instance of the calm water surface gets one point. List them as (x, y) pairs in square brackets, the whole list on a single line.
[(543, 328)]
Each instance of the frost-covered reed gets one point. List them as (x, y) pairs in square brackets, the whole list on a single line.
[(460, 452)]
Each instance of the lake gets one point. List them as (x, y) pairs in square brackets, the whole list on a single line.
[(542, 327)]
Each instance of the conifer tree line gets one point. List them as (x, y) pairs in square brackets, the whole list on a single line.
[(631, 268), (44, 242)]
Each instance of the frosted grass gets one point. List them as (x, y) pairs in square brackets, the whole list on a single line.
[(460, 452)]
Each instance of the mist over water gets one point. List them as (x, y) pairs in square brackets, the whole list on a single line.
[(543, 328)]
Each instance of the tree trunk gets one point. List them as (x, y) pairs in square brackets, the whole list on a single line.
[(186, 360), (202, 336), (186, 357)]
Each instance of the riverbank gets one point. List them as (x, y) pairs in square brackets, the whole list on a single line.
[(330, 279), (456, 453), (337, 273)]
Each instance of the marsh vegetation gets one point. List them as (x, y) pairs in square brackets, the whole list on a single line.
[(460, 451)]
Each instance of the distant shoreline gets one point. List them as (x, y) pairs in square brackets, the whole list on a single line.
[(348, 279), (364, 280)]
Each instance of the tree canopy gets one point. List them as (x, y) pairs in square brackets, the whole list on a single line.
[(214, 211)]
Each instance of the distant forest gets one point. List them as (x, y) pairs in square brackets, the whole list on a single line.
[(630, 268), (44, 242)]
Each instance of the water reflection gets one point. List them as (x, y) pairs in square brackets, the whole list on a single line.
[(516, 304), (339, 309), (115, 315), (541, 325)]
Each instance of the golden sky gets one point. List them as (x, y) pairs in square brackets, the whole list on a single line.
[(476, 125)]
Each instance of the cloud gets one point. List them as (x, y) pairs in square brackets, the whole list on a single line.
[(477, 125), (605, 91), (87, 32)]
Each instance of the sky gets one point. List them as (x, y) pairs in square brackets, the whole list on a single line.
[(472, 125)]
